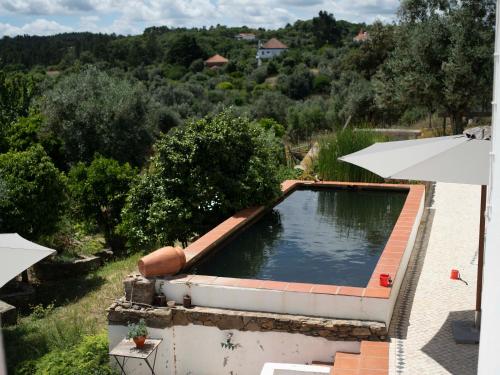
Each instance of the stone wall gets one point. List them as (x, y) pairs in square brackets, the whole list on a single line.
[(123, 312)]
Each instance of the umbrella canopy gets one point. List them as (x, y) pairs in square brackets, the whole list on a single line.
[(18, 254), (462, 159)]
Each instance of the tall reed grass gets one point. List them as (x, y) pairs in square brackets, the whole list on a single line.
[(333, 146)]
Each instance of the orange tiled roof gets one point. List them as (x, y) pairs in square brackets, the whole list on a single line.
[(361, 37), (216, 59), (274, 44)]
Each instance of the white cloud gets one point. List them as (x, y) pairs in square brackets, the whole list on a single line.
[(89, 23), (37, 27), (46, 7), (132, 16), (255, 13)]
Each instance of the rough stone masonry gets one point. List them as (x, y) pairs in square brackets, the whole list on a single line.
[(122, 312)]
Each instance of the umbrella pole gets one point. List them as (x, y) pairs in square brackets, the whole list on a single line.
[(480, 257)]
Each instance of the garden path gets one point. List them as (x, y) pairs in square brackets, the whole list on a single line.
[(421, 336)]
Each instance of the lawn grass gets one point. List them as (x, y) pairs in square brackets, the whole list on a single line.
[(70, 309)]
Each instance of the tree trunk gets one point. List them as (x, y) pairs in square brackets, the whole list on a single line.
[(444, 125), (430, 119), (457, 124)]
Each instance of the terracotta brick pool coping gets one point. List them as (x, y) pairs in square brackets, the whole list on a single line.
[(388, 262)]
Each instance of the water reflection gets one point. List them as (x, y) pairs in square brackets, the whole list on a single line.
[(371, 214), (248, 253), (316, 236)]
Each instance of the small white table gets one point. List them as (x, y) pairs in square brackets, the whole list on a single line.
[(126, 349)]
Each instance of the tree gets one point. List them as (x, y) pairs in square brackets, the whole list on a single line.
[(16, 93), (325, 30), (442, 59), (297, 85), (468, 70), (32, 193), (98, 192), (305, 118), (184, 50), (366, 57), (92, 112), (271, 104), (202, 173)]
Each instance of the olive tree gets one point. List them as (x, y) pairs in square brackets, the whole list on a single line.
[(442, 60), (93, 112)]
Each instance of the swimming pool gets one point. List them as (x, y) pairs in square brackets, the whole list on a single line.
[(318, 251), (321, 236)]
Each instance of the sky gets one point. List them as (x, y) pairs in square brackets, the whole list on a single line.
[(47, 17)]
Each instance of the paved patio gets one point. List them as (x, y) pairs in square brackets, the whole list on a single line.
[(429, 300)]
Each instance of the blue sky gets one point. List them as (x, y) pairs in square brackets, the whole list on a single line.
[(46, 17)]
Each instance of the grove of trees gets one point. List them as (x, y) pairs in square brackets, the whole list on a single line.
[(134, 138)]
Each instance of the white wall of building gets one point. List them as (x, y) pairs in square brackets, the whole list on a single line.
[(197, 350), (268, 53), (489, 361), (277, 301)]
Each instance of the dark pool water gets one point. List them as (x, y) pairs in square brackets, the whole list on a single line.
[(313, 236)]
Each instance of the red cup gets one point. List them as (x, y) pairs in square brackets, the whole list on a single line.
[(455, 275), (385, 280)]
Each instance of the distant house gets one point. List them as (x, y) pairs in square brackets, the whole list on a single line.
[(273, 47), (361, 37), (245, 36), (216, 61)]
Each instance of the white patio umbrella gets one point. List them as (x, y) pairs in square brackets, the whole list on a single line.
[(460, 159), (18, 254), (463, 159)]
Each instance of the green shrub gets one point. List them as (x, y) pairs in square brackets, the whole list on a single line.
[(197, 65), (261, 87), (298, 84), (306, 118), (32, 193), (272, 124), (271, 104), (321, 84), (89, 357), (413, 115), (202, 173), (259, 75), (342, 143), (46, 330), (272, 68), (224, 86)]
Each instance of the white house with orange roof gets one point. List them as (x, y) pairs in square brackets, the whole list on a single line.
[(273, 47), (245, 36)]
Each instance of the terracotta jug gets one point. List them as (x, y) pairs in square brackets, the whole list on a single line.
[(165, 261)]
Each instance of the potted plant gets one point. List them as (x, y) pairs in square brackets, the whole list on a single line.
[(138, 332)]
